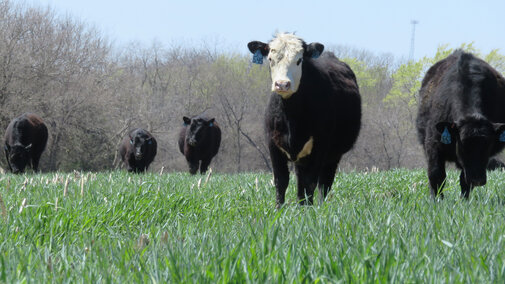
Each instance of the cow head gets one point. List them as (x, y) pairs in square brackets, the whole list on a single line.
[(196, 129), (285, 53), (18, 156), (140, 144), (474, 139)]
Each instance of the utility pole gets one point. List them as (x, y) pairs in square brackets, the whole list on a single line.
[(412, 39)]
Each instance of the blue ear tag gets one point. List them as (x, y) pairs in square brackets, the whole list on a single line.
[(502, 137), (149, 142), (257, 57), (315, 54), (446, 137), (211, 124), (131, 141)]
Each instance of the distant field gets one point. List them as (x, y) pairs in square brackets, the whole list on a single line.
[(177, 228)]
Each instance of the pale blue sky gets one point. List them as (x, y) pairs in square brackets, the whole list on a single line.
[(377, 26)]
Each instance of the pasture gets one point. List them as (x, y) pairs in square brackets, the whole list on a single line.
[(374, 227)]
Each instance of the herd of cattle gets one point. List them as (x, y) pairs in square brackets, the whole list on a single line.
[(314, 117)]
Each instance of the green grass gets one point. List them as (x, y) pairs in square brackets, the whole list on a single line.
[(376, 227)]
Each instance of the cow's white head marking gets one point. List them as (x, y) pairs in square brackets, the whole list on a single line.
[(285, 53)]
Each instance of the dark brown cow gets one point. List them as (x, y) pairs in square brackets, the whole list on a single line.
[(199, 141), (461, 119), (25, 140), (138, 150)]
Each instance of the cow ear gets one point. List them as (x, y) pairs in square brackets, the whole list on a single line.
[(131, 141), (314, 50), (149, 140), (187, 120), (28, 147), (210, 122), (259, 49), (446, 130), (499, 129)]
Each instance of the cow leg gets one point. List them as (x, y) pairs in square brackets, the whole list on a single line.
[(325, 180), (130, 164), (7, 158), (205, 165), (193, 166), (281, 173), (35, 162), (436, 175), (306, 178), (465, 187)]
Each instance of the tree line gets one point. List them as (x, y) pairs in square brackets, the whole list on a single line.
[(91, 93)]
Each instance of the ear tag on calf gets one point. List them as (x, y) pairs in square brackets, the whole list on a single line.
[(211, 124), (446, 137), (149, 142), (131, 141), (315, 54), (502, 137), (257, 57)]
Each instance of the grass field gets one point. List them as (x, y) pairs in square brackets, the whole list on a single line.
[(119, 227)]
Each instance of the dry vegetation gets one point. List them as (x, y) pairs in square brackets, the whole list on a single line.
[(90, 93)]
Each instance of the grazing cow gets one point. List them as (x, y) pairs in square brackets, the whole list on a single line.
[(460, 119), (313, 116), (25, 140), (138, 150), (199, 140)]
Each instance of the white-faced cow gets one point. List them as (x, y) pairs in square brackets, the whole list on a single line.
[(199, 141), (25, 140), (461, 119), (313, 116), (138, 150)]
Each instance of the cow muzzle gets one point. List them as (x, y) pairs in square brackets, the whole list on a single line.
[(138, 156), (282, 86), (192, 142)]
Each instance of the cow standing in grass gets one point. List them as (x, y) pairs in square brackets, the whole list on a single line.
[(461, 119), (25, 140), (314, 113), (199, 141), (138, 150)]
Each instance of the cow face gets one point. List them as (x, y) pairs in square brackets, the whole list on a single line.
[(285, 53), (474, 140), (140, 144), (18, 156), (197, 129)]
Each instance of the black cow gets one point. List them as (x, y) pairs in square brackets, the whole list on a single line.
[(313, 116), (25, 140), (199, 141), (138, 150), (460, 119)]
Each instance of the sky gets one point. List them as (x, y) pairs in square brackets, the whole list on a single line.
[(376, 26)]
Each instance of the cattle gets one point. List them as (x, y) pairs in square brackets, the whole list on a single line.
[(461, 119), (199, 141), (25, 140), (138, 150), (313, 116)]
